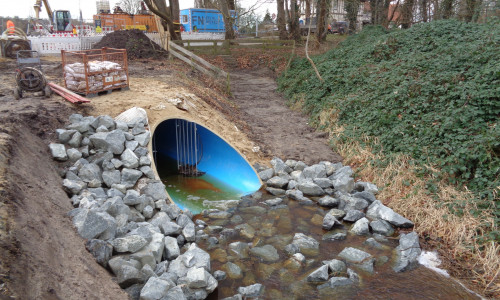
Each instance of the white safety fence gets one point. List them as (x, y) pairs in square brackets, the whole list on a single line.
[(47, 45)]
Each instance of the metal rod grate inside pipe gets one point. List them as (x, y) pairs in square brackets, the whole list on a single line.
[(189, 148)]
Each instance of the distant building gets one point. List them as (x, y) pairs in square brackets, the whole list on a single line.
[(338, 13), (203, 20)]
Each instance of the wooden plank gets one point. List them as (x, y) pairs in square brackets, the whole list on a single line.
[(190, 62), (199, 59)]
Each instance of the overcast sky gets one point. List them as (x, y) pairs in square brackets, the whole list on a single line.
[(24, 8)]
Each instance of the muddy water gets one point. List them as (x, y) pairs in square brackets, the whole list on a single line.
[(283, 280)]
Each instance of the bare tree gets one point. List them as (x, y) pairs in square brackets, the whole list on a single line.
[(294, 21), (446, 9), (159, 8), (228, 19), (407, 14), (204, 4), (280, 20), (130, 6), (423, 10), (308, 9), (322, 16), (352, 7)]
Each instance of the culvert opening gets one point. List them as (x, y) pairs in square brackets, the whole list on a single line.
[(198, 167)]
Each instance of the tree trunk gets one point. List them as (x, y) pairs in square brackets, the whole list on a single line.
[(287, 17), (228, 20), (308, 9), (423, 9), (159, 8), (294, 21), (321, 28), (174, 8), (281, 20), (468, 8), (352, 8), (447, 9), (407, 14)]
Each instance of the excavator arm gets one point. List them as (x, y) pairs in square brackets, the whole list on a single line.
[(38, 8)]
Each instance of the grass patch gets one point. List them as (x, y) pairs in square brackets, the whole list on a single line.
[(416, 112)]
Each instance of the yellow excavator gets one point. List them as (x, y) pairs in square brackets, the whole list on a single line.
[(59, 19)]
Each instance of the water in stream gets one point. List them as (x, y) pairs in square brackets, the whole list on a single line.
[(285, 280)]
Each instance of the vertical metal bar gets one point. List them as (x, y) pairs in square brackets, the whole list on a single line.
[(190, 147), (195, 149), (177, 142)]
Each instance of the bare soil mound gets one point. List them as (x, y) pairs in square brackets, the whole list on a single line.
[(138, 45)]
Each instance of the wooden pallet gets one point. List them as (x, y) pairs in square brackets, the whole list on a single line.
[(105, 92)]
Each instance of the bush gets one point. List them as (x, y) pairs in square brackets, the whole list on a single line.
[(431, 91)]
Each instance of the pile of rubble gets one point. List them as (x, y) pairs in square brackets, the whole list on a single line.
[(123, 212)]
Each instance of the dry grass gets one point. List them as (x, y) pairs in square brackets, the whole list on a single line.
[(454, 237)]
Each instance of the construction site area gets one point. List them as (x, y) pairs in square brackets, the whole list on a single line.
[(143, 161)]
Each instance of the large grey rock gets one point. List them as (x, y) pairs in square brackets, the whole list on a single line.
[(345, 171), (267, 253), (279, 166), (58, 151), (129, 159), (143, 138), (106, 121), (82, 126), (156, 288), (343, 184), (127, 272), (314, 171), (266, 174), (219, 275), (254, 290), (353, 215), (155, 189), (329, 221), (189, 232), (352, 203), (336, 266), (277, 182), (101, 250), (233, 270), (90, 223), (90, 173), (382, 227), (129, 243), (310, 188), (361, 227), (334, 236), (295, 195), (196, 257), (323, 183), (407, 252), (116, 141), (152, 253), (239, 249), (111, 177), (307, 245), (328, 201), (339, 281), (197, 278), (172, 250), (273, 202), (73, 187), (132, 197), (246, 231), (75, 140), (173, 211), (130, 177), (98, 140), (318, 275), (148, 171), (379, 211), (354, 255), (175, 293), (275, 191), (170, 228), (366, 187), (74, 154), (64, 135), (365, 195)]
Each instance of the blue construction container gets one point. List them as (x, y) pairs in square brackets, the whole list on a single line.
[(203, 20)]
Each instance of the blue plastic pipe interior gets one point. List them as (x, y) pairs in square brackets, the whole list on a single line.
[(226, 174)]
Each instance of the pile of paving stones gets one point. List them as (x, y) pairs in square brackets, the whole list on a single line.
[(124, 213)]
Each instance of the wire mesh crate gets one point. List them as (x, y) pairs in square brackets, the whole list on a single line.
[(97, 70)]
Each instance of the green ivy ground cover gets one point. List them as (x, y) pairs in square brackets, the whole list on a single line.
[(431, 91)]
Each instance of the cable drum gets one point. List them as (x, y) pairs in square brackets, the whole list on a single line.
[(30, 80)]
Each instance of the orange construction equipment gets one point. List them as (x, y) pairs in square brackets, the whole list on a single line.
[(123, 21)]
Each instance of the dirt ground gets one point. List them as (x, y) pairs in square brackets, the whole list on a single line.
[(280, 131), (41, 255)]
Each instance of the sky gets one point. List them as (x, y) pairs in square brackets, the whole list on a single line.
[(24, 8)]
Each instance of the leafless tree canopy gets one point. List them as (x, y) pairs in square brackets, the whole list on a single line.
[(130, 6)]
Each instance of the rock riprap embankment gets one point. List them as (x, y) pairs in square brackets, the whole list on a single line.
[(123, 212), (316, 230)]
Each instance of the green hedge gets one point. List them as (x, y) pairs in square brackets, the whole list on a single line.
[(431, 91)]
